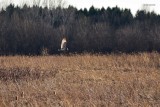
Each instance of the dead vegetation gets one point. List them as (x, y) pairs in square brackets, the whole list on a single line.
[(80, 80)]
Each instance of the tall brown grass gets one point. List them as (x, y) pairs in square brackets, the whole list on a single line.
[(122, 80)]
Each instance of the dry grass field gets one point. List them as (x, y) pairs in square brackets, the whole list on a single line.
[(80, 81)]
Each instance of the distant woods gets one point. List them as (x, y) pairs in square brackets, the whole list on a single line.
[(32, 30)]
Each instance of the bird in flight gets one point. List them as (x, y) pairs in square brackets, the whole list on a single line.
[(63, 45)]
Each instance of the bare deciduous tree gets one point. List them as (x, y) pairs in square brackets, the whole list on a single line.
[(49, 3)]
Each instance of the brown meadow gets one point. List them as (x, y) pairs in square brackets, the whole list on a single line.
[(115, 80)]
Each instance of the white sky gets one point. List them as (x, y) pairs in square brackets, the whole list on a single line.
[(134, 5)]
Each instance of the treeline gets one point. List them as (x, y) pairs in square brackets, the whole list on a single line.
[(35, 30)]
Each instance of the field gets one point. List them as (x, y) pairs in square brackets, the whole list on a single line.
[(114, 80)]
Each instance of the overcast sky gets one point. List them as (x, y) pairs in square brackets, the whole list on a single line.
[(134, 5)]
